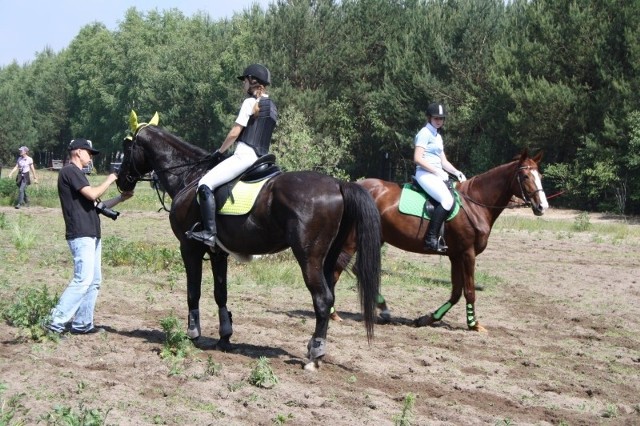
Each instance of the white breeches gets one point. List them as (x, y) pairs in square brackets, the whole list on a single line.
[(243, 157), (435, 187)]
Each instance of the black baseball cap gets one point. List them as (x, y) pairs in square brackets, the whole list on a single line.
[(81, 143)]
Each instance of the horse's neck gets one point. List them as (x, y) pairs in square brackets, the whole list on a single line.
[(176, 167), (492, 189)]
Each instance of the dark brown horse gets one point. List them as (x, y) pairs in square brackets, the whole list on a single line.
[(310, 213), (484, 197)]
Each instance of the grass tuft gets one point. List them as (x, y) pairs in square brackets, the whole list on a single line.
[(404, 418), (262, 375)]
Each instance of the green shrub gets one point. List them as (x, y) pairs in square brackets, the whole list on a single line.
[(8, 188), (262, 375), (177, 344), (581, 222), (29, 309)]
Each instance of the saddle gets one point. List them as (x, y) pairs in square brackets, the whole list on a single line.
[(251, 182), (415, 201)]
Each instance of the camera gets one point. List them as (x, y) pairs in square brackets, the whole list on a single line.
[(103, 209), (115, 168)]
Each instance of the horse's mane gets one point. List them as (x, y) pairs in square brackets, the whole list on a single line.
[(177, 152), (183, 147), (496, 170)]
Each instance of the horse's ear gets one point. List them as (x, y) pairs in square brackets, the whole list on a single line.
[(538, 157), (133, 121), (155, 119), (524, 155)]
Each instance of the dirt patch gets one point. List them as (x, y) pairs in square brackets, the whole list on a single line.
[(562, 346)]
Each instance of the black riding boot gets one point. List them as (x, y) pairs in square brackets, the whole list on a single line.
[(208, 213), (432, 240)]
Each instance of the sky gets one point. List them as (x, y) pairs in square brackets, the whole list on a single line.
[(29, 26)]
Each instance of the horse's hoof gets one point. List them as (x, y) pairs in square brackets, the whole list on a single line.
[(313, 365), (478, 328), (335, 317), (385, 314), (423, 321), (224, 345)]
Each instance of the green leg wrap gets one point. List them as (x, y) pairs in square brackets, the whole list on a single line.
[(437, 315), (471, 315), (379, 299)]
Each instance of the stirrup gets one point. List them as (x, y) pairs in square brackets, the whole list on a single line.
[(198, 236), (440, 246)]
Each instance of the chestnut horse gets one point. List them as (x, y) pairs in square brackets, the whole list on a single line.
[(484, 197), (311, 213)]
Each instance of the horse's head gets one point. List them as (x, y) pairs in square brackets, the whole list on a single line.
[(132, 168), (530, 183), (134, 165)]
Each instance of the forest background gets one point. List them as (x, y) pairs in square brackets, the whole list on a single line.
[(352, 80)]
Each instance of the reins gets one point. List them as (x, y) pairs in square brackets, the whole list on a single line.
[(512, 205), (154, 180)]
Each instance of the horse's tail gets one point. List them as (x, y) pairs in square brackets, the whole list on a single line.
[(360, 211)]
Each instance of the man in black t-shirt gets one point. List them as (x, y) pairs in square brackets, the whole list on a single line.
[(82, 224)]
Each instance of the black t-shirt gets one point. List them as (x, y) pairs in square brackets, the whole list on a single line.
[(80, 216)]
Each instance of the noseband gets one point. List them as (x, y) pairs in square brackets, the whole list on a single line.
[(132, 164), (526, 196)]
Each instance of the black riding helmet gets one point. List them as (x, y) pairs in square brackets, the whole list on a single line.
[(257, 71), (436, 110)]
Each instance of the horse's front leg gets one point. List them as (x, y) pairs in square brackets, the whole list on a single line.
[(465, 274), (462, 278), (192, 259), (219, 263)]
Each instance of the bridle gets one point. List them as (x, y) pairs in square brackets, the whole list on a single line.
[(140, 177), (526, 196)]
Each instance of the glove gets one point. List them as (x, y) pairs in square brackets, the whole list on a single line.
[(216, 156), (460, 176)]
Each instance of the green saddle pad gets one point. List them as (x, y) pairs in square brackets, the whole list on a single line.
[(242, 199), (412, 203)]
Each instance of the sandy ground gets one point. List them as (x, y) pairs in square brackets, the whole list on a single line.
[(562, 348)]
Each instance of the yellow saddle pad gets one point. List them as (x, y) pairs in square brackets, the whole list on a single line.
[(242, 198)]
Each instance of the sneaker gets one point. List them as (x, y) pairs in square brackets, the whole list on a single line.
[(92, 330), (51, 331)]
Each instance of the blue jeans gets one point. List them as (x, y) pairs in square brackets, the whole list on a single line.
[(78, 301), (22, 193)]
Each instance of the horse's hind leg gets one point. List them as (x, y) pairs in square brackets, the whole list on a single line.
[(219, 263), (322, 302), (344, 258)]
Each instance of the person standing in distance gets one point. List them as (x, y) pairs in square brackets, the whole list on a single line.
[(431, 173), (24, 165), (252, 129), (78, 199)]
